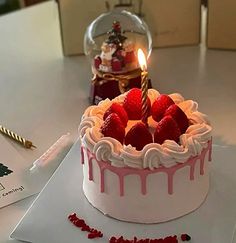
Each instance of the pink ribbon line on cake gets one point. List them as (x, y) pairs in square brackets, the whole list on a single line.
[(143, 173)]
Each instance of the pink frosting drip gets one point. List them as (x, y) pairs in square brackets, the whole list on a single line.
[(82, 155), (143, 173)]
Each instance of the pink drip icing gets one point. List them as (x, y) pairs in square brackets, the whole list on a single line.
[(82, 155), (210, 151), (90, 170), (202, 160), (90, 163), (121, 179), (143, 178), (102, 180), (170, 182), (192, 169), (202, 166), (124, 171)]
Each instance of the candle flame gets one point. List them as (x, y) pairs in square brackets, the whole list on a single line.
[(142, 60)]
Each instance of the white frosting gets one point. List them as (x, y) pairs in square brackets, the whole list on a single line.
[(120, 98), (168, 154), (89, 122), (97, 110), (177, 98), (153, 155), (176, 151), (108, 149), (131, 157), (91, 137), (153, 95), (198, 117), (188, 106), (196, 137)]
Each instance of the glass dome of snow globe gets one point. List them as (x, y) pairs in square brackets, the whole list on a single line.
[(111, 43), (112, 40)]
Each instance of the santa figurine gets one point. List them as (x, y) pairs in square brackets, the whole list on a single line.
[(106, 56), (129, 52)]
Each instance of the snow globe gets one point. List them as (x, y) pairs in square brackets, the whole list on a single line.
[(111, 42)]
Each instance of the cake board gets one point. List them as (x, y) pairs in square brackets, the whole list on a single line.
[(46, 220)]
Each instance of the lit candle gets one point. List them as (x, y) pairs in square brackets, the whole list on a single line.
[(144, 84)]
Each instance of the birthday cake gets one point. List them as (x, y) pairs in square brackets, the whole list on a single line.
[(146, 173)]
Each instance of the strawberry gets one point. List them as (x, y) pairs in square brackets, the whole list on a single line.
[(133, 104), (113, 127), (167, 128), (119, 110), (179, 116), (160, 105), (138, 136)]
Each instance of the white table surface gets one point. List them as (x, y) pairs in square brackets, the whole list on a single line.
[(42, 94)]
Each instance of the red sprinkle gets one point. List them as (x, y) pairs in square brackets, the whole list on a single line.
[(91, 235), (85, 228), (94, 233), (72, 217), (185, 237), (112, 239), (80, 223), (168, 239)]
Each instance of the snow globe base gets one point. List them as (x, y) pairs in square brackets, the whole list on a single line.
[(111, 86)]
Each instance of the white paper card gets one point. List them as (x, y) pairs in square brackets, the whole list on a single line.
[(14, 184), (16, 180)]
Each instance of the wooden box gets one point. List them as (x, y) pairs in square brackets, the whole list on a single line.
[(75, 16), (172, 22), (221, 24)]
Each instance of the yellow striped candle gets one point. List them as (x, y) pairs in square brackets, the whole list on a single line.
[(144, 85), (26, 143)]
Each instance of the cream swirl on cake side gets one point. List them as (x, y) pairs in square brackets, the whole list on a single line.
[(198, 117), (177, 98), (132, 157), (176, 151), (97, 110), (89, 122), (188, 106), (196, 138), (108, 149), (153, 155), (91, 137)]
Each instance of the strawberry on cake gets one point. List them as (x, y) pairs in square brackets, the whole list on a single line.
[(145, 174)]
